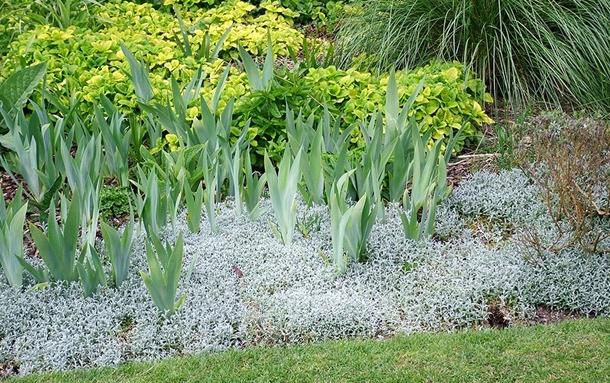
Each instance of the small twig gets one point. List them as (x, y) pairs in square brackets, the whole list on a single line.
[(465, 156), (456, 163)]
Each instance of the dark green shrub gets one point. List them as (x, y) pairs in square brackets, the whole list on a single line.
[(114, 202), (266, 111), (554, 50), (320, 12)]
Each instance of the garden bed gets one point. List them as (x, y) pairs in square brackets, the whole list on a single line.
[(243, 287), (189, 176)]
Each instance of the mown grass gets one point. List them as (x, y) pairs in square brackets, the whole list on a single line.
[(572, 351)]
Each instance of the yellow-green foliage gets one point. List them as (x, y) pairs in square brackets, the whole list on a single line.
[(86, 63), (448, 101)]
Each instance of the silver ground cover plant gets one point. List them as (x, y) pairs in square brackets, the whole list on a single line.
[(242, 286)]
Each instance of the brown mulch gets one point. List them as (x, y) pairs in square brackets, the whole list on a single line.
[(499, 316), (463, 165), (8, 185), (546, 315), (8, 369)]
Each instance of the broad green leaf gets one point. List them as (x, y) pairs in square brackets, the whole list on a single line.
[(17, 88)]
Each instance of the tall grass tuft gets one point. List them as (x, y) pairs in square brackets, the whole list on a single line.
[(555, 51)]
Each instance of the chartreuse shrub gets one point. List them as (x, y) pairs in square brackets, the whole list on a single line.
[(87, 63), (18, 16), (554, 50), (448, 102)]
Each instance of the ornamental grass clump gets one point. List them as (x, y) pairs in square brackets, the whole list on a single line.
[(554, 50)]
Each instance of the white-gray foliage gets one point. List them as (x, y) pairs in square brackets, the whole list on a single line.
[(244, 287), (508, 195)]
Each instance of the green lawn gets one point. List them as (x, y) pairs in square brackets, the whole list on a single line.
[(575, 351)]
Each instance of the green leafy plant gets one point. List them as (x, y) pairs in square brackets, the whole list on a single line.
[(18, 87), (264, 111), (58, 246), (12, 219), (427, 187), (253, 187), (165, 266), (115, 202), (350, 225), (90, 271), (118, 249), (194, 207), (283, 187)]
